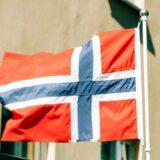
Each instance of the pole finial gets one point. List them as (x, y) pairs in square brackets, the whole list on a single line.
[(144, 12)]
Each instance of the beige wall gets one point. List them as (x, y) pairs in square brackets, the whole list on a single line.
[(154, 78), (29, 26)]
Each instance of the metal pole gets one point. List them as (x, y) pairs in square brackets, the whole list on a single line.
[(144, 17), (51, 151)]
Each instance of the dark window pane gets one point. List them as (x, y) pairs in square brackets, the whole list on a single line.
[(108, 151)]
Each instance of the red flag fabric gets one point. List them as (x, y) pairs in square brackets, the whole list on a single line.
[(89, 93)]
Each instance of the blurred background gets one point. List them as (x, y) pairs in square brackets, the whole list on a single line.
[(28, 26)]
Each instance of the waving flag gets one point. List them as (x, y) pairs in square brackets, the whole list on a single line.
[(90, 93)]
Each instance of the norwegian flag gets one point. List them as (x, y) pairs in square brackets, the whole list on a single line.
[(90, 93)]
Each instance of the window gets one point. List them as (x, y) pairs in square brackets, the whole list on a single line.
[(120, 150)]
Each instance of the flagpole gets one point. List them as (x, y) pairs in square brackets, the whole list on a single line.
[(144, 17)]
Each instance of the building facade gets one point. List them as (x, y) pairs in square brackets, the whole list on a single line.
[(51, 26)]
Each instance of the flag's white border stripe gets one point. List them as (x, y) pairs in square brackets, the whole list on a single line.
[(75, 63), (95, 119), (68, 99), (36, 81), (39, 101), (74, 119), (115, 96), (96, 57), (117, 75), (138, 85)]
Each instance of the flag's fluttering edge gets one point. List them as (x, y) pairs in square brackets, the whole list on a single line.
[(89, 93)]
